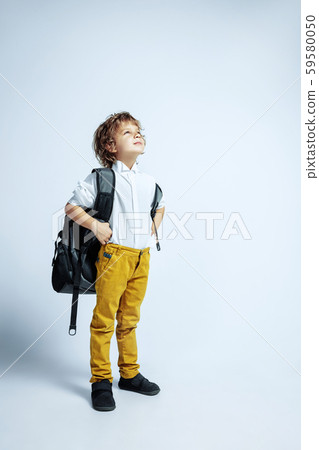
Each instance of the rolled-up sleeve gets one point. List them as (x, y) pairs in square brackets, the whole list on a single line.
[(85, 192)]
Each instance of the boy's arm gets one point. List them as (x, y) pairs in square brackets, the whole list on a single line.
[(79, 216), (101, 230), (158, 218)]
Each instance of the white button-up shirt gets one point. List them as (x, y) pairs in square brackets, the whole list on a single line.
[(134, 192)]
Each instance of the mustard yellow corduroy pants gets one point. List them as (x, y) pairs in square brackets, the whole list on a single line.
[(121, 281)]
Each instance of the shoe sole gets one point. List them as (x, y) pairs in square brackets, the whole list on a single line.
[(104, 408), (138, 391)]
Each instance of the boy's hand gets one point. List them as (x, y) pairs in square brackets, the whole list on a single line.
[(102, 231)]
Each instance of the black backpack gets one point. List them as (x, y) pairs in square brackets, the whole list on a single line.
[(76, 247)]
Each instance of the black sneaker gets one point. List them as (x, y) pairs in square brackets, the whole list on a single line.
[(139, 384), (102, 396)]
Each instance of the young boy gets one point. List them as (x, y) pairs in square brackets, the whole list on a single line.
[(123, 260)]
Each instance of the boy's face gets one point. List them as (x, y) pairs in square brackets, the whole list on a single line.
[(128, 141)]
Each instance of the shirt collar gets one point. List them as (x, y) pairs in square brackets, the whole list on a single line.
[(119, 166)]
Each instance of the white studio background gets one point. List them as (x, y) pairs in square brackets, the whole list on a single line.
[(216, 87)]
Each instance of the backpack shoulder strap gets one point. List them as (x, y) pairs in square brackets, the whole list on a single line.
[(103, 205), (105, 182), (157, 198)]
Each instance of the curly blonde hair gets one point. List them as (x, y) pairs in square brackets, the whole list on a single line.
[(104, 136)]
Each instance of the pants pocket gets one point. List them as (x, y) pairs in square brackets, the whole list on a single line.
[(105, 260)]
